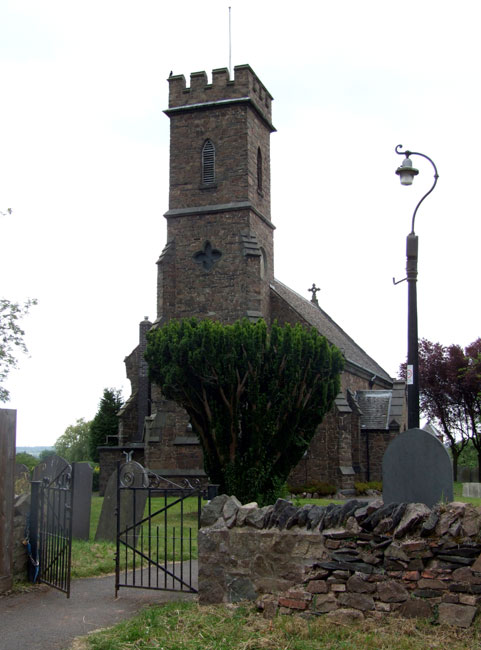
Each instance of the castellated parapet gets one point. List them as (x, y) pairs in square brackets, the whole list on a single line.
[(245, 85)]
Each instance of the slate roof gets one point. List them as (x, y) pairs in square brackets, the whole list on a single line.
[(381, 408), (318, 318), (375, 406)]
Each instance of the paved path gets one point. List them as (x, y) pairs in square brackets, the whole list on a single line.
[(44, 619)]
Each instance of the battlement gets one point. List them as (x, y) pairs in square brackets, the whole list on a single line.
[(245, 84)]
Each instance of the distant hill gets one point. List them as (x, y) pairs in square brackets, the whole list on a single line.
[(34, 451)]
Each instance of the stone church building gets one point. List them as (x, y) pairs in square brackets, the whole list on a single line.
[(218, 263)]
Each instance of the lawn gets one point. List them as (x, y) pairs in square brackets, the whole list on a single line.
[(91, 558)]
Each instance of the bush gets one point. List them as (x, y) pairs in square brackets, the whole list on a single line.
[(95, 477), (315, 487), (362, 488)]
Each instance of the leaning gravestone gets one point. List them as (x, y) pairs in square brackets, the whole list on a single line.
[(416, 468), (50, 468), (132, 504)]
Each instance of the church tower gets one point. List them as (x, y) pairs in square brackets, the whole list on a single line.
[(218, 260)]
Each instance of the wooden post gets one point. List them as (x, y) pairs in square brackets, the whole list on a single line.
[(8, 423)]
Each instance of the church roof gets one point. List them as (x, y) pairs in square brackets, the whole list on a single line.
[(376, 407), (318, 318)]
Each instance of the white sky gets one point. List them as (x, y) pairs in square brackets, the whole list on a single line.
[(84, 166)]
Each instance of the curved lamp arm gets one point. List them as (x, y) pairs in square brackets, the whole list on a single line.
[(436, 176)]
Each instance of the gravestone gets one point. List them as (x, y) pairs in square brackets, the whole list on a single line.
[(82, 498), (416, 468), (132, 503), (50, 468), (472, 490), (21, 470)]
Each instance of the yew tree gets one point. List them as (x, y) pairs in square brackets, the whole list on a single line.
[(254, 395), (105, 425)]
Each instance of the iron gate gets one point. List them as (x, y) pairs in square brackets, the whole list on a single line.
[(52, 544), (156, 531)]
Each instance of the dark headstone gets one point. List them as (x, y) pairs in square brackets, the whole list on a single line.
[(82, 498), (416, 468), (132, 503)]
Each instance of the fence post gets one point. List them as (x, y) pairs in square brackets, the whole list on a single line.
[(8, 423)]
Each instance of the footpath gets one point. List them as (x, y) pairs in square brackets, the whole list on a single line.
[(44, 619)]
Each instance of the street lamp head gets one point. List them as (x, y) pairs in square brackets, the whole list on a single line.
[(406, 171)]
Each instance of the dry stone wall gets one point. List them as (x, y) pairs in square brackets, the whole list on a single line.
[(357, 559)]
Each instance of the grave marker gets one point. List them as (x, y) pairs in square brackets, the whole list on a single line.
[(416, 468)]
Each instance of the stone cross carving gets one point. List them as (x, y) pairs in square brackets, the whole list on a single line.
[(207, 257), (314, 291)]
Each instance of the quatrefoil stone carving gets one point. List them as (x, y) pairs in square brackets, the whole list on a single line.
[(208, 256)]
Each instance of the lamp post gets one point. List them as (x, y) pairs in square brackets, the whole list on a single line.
[(406, 173)]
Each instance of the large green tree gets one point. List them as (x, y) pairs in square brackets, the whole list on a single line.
[(11, 338), (105, 422), (73, 445), (255, 396)]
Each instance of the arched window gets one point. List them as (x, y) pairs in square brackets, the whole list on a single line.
[(259, 170), (208, 163)]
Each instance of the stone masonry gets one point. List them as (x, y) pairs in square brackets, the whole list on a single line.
[(366, 558)]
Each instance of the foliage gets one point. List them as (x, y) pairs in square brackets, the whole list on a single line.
[(27, 459), (362, 487), (468, 456), (45, 453), (73, 445), (450, 392), (315, 487), (95, 477), (11, 338), (255, 397), (105, 425), (22, 483)]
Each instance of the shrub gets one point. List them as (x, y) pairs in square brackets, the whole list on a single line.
[(315, 487), (362, 488)]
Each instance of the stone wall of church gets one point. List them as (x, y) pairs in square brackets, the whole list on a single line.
[(233, 286), (237, 130), (173, 448), (373, 446), (321, 462)]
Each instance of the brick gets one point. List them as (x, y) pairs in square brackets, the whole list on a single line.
[(411, 575), (292, 603)]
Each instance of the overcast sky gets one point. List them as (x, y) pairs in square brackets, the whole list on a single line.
[(84, 166)]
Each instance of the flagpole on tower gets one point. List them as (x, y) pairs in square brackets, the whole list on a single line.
[(230, 47)]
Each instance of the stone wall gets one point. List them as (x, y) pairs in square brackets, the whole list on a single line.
[(21, 513), (366, 558)]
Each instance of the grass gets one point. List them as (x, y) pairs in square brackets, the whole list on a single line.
[(91, 558), (458, 495), (188, 626)]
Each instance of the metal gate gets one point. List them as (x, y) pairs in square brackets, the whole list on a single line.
[(52, 545), (157, 524)]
